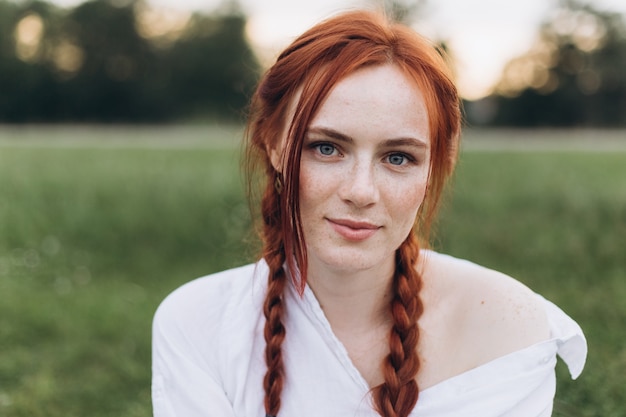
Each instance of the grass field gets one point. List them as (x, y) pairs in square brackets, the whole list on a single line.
[(98, 225)]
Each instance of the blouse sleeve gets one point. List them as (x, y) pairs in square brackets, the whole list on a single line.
[(520, 384), (183, 385), (569, 337)]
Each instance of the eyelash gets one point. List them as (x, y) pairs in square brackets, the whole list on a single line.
[(407, 158), (332, 147), (317, 146)]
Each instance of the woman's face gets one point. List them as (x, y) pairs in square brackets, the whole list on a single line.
[(364, 170)]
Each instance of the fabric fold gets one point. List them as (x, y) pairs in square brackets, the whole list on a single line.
[(208, 360)]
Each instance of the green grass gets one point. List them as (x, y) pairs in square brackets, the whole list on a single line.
[(557, 222), (95, 231)]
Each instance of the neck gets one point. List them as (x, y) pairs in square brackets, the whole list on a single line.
[(356, 301)]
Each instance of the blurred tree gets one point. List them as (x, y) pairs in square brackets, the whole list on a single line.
[(26, 85), (574, 75), (8, 11), (103, 62), (212, 67), (8, 61), (405, 11)]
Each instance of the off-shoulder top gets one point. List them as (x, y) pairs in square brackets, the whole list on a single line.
[(208, 361)]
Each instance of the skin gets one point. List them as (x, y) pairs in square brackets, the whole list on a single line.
[(364, 171)]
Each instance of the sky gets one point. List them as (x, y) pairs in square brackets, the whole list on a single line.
[(483, 35)]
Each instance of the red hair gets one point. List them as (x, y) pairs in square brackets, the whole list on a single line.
[(313, 64)]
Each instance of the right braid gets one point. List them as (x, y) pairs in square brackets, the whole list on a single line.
[(273, 307)]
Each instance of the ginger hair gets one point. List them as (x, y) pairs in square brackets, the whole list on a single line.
[(309, 68)]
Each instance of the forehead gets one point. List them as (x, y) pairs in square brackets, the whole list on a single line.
[(382, 81), (379, 100)]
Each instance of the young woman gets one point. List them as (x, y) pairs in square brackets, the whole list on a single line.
[(356, 129)]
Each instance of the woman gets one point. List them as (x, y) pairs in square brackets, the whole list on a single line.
[(356, 128)]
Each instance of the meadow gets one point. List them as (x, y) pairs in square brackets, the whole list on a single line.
[(97, 225)]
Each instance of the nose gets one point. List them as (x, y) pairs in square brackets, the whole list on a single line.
[(360, 187)]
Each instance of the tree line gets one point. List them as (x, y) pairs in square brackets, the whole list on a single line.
[(574, 75), (108, 61), (120, 61)]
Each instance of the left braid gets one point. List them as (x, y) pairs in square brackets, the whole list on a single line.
[(397, 396)]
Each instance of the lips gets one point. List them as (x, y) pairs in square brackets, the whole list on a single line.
[(353, 230)]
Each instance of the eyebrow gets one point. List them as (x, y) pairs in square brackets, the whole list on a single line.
[(388, 143)]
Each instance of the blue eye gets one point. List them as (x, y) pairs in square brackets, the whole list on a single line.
[(397, 159), (326, 149)]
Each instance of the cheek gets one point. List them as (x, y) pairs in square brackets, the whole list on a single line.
[(408, 201), (312, 188)]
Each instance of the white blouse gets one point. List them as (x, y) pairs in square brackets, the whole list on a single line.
[(208, 349)]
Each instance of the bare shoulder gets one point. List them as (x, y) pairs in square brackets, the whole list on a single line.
[(491, 314)]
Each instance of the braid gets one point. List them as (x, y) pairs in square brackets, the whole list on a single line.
[(397, 396), (274, 335), (273, 307)]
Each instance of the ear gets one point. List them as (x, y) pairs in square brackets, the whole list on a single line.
[(276, 153), (276, 156)]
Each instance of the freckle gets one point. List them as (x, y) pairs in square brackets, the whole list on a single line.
[(482, 302)]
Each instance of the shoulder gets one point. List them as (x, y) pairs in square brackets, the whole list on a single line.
[(197, 306), (203, 342), (491, 313)]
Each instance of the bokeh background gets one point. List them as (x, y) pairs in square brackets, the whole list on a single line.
[(120, 131)]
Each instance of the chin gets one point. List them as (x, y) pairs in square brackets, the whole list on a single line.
[(347, 260)]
